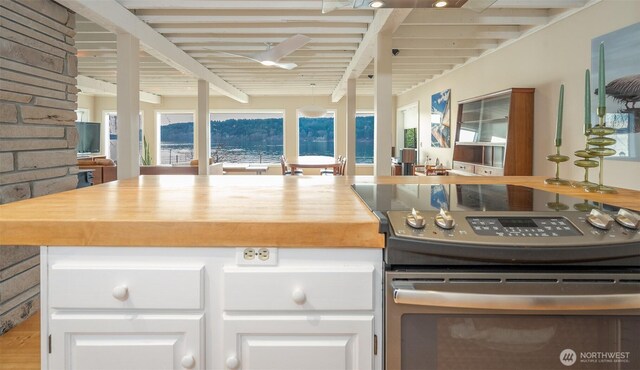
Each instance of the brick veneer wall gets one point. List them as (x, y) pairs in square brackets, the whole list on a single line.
[(38, 68)]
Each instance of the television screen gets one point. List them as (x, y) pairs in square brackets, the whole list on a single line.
[(88, 137), (410, 138)]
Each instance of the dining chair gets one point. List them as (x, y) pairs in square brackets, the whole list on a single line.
[(329, 172), (285, 170)]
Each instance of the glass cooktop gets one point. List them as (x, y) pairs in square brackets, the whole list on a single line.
[(455, 197)]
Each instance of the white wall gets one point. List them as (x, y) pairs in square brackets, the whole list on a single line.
[(287, 104), (557, 54)]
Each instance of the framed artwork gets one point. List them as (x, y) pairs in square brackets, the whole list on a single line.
[(441, 120), (622, 79)]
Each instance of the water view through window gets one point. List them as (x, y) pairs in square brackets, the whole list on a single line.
[(256, 137)]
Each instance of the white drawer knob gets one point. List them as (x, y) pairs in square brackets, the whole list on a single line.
[(121, 292), (188, 362), (232, 362), (298, 296)]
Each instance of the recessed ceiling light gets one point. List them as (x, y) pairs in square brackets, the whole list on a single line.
[(440, 4), (376, 4)]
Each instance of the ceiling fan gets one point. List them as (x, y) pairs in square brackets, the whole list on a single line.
[(272, 55), (475, 5)]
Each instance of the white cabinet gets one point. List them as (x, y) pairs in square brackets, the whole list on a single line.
[(202, 308), (299, 317), (316, 342), (132, 341)]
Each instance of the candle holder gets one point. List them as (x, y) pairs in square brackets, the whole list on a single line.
[(584, 206), (557, 159), (557, 205), (600, 141), (586, 162)]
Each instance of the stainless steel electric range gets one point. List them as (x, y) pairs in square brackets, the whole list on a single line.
[(489, 277)]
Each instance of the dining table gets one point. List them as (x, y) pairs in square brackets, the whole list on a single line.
[(313, 161)]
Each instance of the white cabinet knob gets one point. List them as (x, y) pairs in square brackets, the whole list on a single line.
[(298, 296), (188, 362), (121, 292), (232, 362)]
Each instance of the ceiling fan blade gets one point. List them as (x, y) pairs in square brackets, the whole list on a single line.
[(478, 5), (284, 48), (331, 5), (287, 66)]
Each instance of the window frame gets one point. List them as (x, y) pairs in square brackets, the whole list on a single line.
[(158, 140)]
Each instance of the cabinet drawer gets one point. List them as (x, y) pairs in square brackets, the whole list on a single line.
[(489, 171), (340, 288), (461, 166), (125, 288)]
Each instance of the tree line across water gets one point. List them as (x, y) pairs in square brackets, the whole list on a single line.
[(263, 130)]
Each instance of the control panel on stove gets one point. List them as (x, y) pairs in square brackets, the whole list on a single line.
[(522, 226)]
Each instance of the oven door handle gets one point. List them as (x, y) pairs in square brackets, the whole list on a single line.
[(516, 301)]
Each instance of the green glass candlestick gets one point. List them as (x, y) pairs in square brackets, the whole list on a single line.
[(586, 162), (599, 142), (557, 159), (584, 206), (557, 205)]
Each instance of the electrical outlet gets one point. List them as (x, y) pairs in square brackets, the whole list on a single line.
[(257, 257), (249, 254), (263, 254)]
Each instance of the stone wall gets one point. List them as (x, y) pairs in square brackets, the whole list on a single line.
[(38, 68)]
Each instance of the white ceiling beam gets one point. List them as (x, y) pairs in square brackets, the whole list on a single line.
[(117, 19), (244, 28), (261, 38), (385, 19), (532, 17), (435, 53), (406, 44), (252, 16), (427, 61), (240, 49), (92, 86), (457, 32), (540, 4), (297, 53), (223, 4)]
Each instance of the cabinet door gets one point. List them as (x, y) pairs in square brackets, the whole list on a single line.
[(140, 342), (298, 343)]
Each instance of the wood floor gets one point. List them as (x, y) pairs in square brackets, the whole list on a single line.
[(20, 346)]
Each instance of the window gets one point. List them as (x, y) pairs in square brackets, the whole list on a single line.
[(315, 135), (364, 137), (111, 124), (247, 137), (176, 137)]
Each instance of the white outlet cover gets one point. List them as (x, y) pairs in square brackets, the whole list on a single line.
[(272, 261)]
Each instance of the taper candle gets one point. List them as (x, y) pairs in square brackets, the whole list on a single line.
[(559, 123), (587, 101), (602, 94)]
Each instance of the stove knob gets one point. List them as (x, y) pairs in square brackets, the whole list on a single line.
[(600, 219), (444, 220), (628, 219), (415, 220)]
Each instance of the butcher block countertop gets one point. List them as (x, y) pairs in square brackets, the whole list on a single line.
[(225, 211)]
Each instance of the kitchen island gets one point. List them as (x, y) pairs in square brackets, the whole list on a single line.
[(215, 272)]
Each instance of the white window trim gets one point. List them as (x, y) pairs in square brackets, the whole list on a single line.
[(156, 114), (104, 145)]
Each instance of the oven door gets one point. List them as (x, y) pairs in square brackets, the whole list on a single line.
[(523, 321)]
